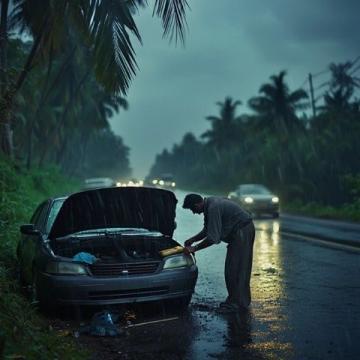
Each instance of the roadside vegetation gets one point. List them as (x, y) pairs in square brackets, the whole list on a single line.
[(312, 162), (65, 68), (23, 331)]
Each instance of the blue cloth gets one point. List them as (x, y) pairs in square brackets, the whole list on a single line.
[(102, 324), (85, 257)]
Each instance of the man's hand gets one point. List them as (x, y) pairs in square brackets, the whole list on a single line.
[(189, 242), (189, 250)]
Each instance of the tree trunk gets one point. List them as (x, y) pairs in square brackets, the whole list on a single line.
[(10, 91), (61, 152), (29, 150), (3, 45), (61, 121), (5, 129)]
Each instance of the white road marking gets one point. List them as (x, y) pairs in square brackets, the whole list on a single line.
[(322, 242)]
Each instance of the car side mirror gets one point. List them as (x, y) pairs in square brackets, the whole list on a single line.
[(29, 229)]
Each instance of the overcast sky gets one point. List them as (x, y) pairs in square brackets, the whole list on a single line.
[(232, 47)]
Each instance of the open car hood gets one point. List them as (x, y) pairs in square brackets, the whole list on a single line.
[(127, 207)]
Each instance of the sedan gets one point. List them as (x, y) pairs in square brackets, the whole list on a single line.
[(106, 246), (256, 199)]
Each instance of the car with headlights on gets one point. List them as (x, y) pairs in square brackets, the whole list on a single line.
[(164, 181), (104, 246), (257, 199)]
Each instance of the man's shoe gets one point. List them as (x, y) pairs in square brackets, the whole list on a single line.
[(227, 308)]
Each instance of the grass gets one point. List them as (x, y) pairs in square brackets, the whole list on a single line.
[(347, 212), (23, 330)]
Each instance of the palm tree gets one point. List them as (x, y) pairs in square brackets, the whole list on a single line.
[(278, 105), (276, 108), (223, 127), (342, 86), (104, 26)]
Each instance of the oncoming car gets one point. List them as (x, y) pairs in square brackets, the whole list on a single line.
[(257, 199), (164, 181), (105, 246)]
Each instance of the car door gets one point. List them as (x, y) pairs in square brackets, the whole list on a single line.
[(30, 243)]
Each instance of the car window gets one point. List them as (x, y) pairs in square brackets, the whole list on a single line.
[(55, 208), (40, 221), (253, 189)]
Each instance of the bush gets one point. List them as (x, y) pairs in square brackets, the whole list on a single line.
[(22, 330)]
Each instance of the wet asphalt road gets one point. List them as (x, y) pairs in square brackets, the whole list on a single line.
[(306, 305)]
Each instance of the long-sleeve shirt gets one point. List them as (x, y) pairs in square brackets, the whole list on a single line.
[(221, 216)]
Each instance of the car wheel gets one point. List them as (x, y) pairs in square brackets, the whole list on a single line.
[(34, 298), (20, 275), (35, 295)]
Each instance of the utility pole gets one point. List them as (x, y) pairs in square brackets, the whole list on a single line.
[(312, 95)]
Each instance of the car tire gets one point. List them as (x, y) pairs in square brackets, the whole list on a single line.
[(34, 292), (35, 295), (20, 275)]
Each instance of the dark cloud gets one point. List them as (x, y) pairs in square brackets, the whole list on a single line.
[(232, 48)]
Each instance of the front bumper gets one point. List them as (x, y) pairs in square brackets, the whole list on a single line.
[(262, 207), (87, 290)]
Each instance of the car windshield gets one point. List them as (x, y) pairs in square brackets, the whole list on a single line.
[(167, 177), (55, 208), (253, 189)]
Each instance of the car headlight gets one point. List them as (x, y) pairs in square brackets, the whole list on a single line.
[(173, 184), (275, 199), (161, 182), (65, 268), (179, 261), (154, 181), (249, 200)]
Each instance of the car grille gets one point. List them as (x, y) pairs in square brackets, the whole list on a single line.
[(121, 294), (121, 269)]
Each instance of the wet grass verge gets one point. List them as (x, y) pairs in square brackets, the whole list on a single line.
[(24, 332), (346, 212)]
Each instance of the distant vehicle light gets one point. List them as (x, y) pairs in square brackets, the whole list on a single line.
[(173, 184), (249, 200), (161, 182), (118, 184), (154, 181), (141, 182), (275, 199)]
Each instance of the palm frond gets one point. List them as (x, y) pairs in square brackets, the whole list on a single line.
[(172, 13), (114, 53), (297, 95)]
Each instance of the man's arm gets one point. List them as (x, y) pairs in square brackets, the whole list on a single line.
[(201, 235), (203, 245)]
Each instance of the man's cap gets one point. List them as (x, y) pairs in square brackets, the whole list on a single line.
[(191, 199)]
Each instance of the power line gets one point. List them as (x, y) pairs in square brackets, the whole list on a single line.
[(321, 73), (303, 84), (322, 85)]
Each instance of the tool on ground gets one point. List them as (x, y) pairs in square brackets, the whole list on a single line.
[(152, 322)]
